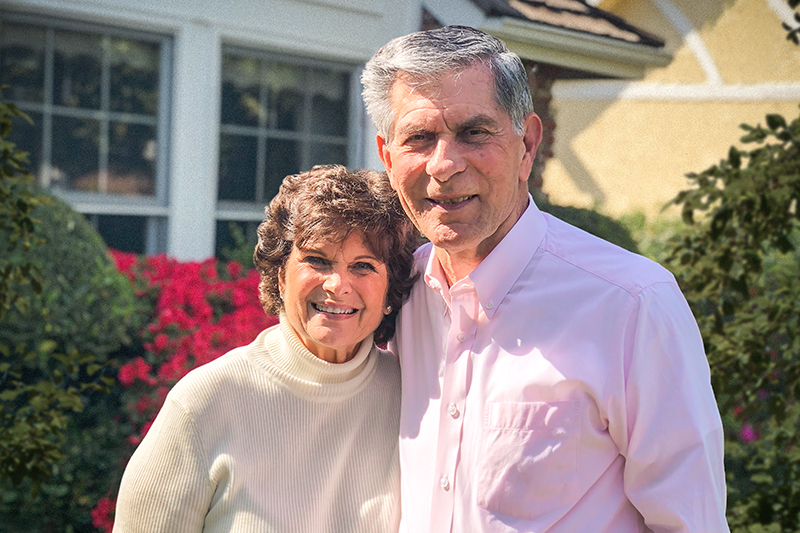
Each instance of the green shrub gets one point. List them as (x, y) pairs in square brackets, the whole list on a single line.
[(738, 266), (593, 222), (55, 354), (652, 236), (85, 304)]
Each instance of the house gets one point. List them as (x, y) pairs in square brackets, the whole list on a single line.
[(167, 121), (625, 145)]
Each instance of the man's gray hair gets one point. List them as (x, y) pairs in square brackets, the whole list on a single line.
[(422, 58)]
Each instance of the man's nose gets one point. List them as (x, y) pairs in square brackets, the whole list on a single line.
[(445, 161)]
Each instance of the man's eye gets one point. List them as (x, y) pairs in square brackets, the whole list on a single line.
[(417, 138), (475, 133)]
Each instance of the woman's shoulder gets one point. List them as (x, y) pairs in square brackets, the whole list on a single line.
[(387, 366), (216, 379)]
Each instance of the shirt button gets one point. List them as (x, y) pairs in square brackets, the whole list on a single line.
[(444, 482), (461, 337), (489, 304), (453, 410)]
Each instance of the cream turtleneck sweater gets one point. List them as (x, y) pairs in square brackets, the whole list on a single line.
[(270, 438)]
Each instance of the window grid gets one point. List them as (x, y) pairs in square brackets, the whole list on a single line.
[(105, 116), (262, 132), (150, 208)]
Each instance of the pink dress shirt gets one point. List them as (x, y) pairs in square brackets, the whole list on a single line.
[(561, 387)]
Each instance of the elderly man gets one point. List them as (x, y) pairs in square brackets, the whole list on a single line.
[(551, 381)]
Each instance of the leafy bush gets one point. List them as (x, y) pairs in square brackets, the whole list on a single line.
[(86, 304), (44, 374), (55, 352), (17, 201), (195, 312), (739, 268), (593, 222), (652, 236)]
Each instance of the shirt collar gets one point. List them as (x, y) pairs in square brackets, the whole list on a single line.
[(498, 272)]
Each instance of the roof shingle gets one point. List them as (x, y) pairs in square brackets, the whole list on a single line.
[(574, 15)]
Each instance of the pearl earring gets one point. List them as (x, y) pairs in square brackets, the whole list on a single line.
[(388, 310)]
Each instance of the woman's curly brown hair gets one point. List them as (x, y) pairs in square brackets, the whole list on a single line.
[(325, 205)]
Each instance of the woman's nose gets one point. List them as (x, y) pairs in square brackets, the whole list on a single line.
[(336, 283)]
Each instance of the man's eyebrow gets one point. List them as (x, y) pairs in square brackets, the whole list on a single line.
[(478, 120), (411, 128), (471, 122)]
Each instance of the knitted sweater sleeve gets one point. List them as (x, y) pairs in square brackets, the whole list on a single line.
[(166, 486)]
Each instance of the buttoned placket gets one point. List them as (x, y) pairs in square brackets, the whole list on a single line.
[(460, 339)]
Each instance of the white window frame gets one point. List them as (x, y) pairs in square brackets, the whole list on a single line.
[(93, 204)]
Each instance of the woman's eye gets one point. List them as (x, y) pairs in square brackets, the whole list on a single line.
[(365, 267), (315, 261)]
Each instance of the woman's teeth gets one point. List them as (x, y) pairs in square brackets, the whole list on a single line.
[(332, 310)]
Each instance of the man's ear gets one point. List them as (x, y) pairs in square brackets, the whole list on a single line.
[(530, 139), (384, 154)]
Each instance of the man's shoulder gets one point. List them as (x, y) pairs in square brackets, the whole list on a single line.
[(574, 248), (422, 254)]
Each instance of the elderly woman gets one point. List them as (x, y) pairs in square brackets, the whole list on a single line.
[(298, 430)]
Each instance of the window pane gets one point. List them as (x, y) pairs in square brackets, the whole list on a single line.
[(75, 154), (236, 240), (237, 167), (283, 158), (28, 137), (132, 159), (22, 62), (78, 63), (328, 154), (329, 102), (285, 96), (240, 91), (124, 233), (134, 75)]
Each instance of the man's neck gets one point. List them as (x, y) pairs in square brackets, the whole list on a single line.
[(457, 265)]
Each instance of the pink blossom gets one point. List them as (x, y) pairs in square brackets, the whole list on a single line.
[(748, 434), (102, 514)]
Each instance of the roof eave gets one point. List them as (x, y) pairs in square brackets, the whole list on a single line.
[(577, 50)]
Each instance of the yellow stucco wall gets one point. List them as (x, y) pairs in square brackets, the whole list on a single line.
[(749, 46), (633, 156), (632, 153)]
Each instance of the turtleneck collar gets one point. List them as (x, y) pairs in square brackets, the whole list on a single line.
[(280, 352)]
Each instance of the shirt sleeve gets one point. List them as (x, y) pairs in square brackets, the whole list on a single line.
[(674, 471), (165, 487)]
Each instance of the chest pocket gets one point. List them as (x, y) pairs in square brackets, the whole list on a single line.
[(529, 457)]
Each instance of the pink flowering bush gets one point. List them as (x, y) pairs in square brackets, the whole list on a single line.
[(200, 310)]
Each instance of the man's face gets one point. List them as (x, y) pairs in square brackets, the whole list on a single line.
[(456, 163)]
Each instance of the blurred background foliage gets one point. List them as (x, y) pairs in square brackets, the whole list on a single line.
[(738, 263)]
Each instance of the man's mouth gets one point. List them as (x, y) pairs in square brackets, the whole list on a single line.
[(452, 201), (332, 310)]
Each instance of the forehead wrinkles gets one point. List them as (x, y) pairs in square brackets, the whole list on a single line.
[(427, 87)]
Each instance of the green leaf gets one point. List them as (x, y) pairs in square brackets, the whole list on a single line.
[(776, 122)]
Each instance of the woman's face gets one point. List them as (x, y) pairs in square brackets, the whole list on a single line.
[(334, 296)]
